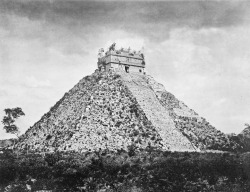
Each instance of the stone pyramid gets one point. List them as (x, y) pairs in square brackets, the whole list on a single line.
[(116, 110)]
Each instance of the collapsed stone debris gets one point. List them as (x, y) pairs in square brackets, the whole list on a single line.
[(114, 110)]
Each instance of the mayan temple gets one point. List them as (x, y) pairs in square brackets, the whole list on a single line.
[(120, 106)]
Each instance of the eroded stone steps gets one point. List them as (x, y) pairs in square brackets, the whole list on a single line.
[(156, 113)]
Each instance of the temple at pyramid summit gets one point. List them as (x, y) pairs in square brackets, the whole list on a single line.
[(124, 59), (119, 106)]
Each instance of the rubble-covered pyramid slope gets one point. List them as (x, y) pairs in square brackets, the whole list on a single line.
[(195, 128), (118, 110), (155, 112), (98, 113)]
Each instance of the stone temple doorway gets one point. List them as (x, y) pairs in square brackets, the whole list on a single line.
[(127, 69)]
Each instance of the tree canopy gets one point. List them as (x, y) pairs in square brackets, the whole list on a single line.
[(9, 120)]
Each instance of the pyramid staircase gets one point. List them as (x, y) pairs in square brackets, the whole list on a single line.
[(173, 139)]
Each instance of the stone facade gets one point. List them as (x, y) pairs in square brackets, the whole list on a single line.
[(122, 59)]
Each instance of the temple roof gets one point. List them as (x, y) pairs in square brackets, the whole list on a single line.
[(124, 54)]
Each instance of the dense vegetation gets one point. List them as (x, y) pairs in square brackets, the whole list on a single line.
[(149, 170)]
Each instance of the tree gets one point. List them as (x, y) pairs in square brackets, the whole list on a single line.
[(9, 120)]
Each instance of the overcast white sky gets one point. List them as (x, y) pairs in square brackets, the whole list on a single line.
[(199, 50)]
